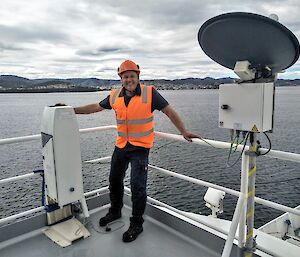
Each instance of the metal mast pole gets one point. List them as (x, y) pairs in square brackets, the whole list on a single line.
[(250, 241)]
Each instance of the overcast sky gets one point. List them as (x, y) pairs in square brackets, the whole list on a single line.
[(81, 38)]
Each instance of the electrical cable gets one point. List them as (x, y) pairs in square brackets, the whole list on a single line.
[(237, 139), (207, 143), (107, 229), (157, 148), (270, 147), (242, 141), (231, 145), (229, 166), (257, 152), (236, 144)]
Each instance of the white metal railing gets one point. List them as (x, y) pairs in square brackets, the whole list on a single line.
[(215, 226), (200, 182), (239, 213), (38, 136), (294, 157), (42, 208)]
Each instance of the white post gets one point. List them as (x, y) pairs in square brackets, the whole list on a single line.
[(250, 240), (85, 209), (244, 186), (233, 227)]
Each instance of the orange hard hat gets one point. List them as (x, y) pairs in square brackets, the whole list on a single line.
[(128, 65)]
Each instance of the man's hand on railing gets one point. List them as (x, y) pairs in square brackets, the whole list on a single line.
[(87, 109), (60, 104), (188, 136)]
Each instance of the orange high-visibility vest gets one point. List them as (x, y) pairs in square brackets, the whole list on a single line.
[(135, 122)]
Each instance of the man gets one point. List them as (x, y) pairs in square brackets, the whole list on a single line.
[(134, 105)]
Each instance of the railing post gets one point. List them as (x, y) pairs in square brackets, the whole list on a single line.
[(234, 223), (250, 241), (244, 189)]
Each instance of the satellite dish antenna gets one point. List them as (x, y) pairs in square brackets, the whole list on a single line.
[(256, 48), (265, 43)]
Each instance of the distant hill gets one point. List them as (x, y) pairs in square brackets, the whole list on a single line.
[(12, 83)]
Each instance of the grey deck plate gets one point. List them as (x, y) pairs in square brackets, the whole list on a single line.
[(156, 240)]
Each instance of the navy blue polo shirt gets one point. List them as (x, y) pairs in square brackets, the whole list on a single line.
[(158, 103)]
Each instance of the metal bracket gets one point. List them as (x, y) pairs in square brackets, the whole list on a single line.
[(253, 249), (67, 232), (250, 153)]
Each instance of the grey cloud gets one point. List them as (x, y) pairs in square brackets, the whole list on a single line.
[(294, 27), (90, 36), (87, 60), (31, 33), (75, 60), (164, 14), (172, 13), (105, 69), (98, 51), (10, 47)]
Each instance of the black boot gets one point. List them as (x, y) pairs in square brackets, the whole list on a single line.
[(134, 230), (109, 217)]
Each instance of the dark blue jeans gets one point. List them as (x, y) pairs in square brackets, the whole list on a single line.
[(138, 180)]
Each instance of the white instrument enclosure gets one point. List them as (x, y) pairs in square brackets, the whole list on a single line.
[(246, 106), (61, 155)]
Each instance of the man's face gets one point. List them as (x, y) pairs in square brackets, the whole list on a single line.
[(130, 80)]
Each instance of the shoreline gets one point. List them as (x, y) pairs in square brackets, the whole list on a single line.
[(13, 91), (86, 90)]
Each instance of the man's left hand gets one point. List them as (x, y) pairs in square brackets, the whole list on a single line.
[(188, 136)]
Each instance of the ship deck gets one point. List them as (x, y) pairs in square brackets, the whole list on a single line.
[(164, 235)]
